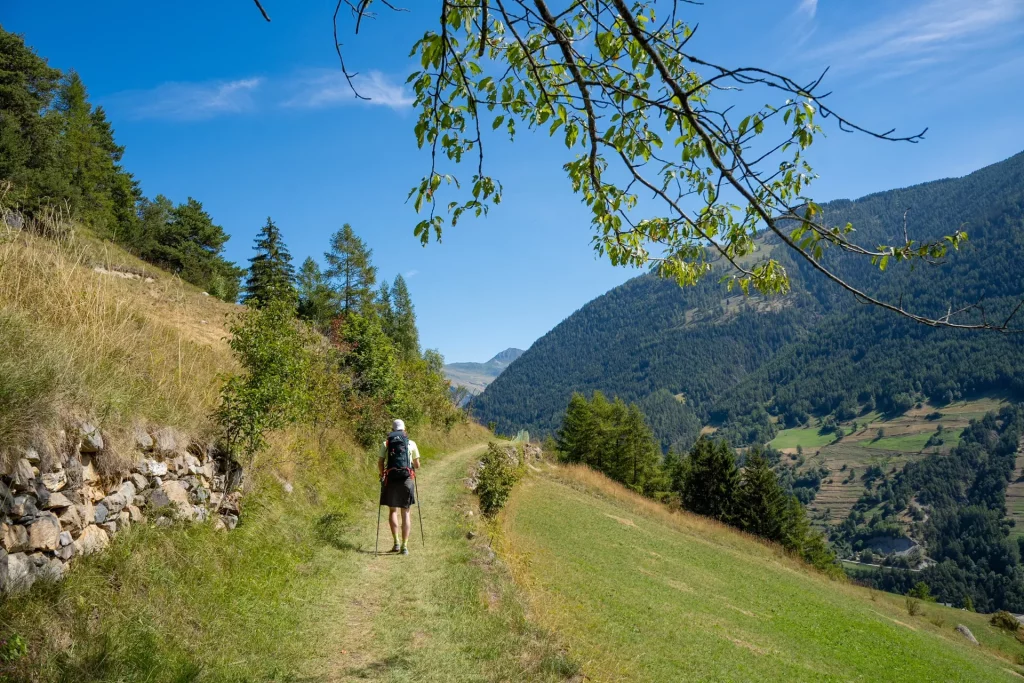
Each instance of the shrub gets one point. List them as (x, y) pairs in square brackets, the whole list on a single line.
[(1004, 620), (498, 472), (913, 606)]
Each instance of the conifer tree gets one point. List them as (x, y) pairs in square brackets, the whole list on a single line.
[(317, 301), (385, 310), (83, 155), (271, 274), (711, 480), (405, 334), (350, 270), (641, 454), (761, 503), (578, 438), (29, 130)]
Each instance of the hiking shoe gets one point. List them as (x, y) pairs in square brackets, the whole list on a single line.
[(397, 548), (405, 551)]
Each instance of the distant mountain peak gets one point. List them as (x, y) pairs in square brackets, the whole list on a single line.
[(507, 356)]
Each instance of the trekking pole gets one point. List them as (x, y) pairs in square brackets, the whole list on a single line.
[(377, 542), (419, 509)]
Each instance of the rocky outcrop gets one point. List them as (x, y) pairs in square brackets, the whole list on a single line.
[(966, 633), (54, 508)]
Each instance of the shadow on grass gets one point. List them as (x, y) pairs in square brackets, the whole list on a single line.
[(332, 529), (381, 666)]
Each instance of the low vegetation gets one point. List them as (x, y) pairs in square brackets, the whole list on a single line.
[(640, 592)]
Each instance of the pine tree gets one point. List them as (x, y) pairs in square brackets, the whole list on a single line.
[(317, 301), (405, 334), (711, 480), (271, 274), (761, 502), (578, 437), (29, 129), (641, 451), (350, 270), (385, 310)]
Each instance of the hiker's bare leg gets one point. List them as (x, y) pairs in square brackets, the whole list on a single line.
[(393, 521), (406, 524)]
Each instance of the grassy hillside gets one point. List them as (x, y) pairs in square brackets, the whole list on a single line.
[(638, 593)]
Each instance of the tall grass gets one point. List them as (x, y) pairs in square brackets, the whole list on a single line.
[(191, 603), (120, 348)]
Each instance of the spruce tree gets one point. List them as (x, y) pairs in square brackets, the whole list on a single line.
[(711, 480), (405, 334), (318, 303), (578, 438), (385, 310), (761, 503), (642, 457), (271, 274), (350, 270), (29, 130)]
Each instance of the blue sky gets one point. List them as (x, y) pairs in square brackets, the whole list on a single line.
[(253, 120)]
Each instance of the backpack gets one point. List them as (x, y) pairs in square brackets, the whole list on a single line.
[(398, 451)]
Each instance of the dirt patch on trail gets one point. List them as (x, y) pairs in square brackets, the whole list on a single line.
[(622, 520), (895, 621), (742, 611), (749, 646)]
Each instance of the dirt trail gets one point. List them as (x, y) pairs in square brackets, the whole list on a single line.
[(384, 615)]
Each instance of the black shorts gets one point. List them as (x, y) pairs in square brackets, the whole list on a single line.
[(399, 491)]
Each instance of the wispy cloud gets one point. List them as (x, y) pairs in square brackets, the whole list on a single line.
[(808, 8), (925, 33), (411, 274), (189, 101), (329, 88), (178, 101)]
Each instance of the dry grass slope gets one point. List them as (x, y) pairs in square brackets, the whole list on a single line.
[(85, 327)]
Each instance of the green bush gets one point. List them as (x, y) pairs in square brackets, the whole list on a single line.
[(1004, 620), (496, 475)]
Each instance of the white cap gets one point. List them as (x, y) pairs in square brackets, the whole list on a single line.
[(397, 426)]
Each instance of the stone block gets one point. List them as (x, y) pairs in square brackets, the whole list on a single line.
[(151, 468), (143, 441), (134, 514), (44, 533), (93, 539), (66, 539), (71, 519), (140, 482), (14, 538), (23, 477), (66, 552), (168, 441), (110, 527), (24, 508), (91, 440), (89, 473), (16, 572), (54, 481), (100, 513), (57, 501)]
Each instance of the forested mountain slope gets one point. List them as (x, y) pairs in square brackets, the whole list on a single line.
[(736, 361), (672, 350)]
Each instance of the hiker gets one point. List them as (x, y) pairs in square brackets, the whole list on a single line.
[(399, 456)]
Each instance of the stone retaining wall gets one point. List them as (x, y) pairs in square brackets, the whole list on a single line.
[(55, 505)]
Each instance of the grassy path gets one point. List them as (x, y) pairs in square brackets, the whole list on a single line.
[(445, 612)]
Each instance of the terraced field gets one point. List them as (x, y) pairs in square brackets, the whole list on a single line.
[(1015, 496), (902, 440)]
